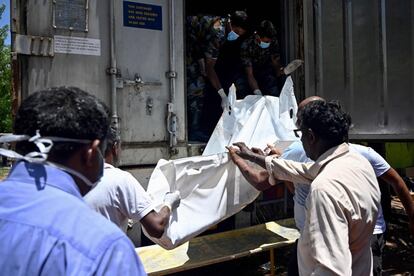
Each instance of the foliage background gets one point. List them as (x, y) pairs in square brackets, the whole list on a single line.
[(5, 78)]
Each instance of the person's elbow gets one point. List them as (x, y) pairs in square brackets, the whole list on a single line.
[(157, 227), (156, 231), (154, 224)]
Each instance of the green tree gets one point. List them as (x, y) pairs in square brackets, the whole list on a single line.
[(5, 79)]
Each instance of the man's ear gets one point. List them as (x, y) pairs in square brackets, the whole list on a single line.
[(91, 153)]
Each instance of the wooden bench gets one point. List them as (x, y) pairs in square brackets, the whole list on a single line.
[(220, 247)]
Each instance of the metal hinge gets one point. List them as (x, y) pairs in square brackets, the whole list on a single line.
[(113, 71), (34, 45), (171, 74)]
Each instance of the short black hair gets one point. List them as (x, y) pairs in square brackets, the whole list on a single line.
[(266, 29), (239, 19), (67, 112), (327, 120)]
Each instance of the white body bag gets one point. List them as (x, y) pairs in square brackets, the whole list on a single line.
[(211, 186)]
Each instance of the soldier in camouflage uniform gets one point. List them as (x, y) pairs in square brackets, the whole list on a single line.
[(223, 67), (201, 31), (260, 56), (217, 43)]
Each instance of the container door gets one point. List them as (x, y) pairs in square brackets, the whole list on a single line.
[(149, 53), (68, 42), (361, 53)]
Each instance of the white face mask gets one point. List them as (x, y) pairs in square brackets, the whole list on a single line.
[(44, 144)]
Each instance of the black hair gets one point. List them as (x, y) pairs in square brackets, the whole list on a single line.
[(327, 120), (67, 112), (266, 29), (239, 19)]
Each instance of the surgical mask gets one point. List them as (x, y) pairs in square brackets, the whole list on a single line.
[(231, 36), (264, 45), (44, 144)]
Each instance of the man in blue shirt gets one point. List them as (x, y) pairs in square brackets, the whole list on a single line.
[(45, 226)]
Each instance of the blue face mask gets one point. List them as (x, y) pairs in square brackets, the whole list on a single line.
[(231, 36), (264, 45)]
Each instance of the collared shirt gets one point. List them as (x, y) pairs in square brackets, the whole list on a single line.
[(119, 197), (295, 152), (380, 167), (341, 211), (46, 228)]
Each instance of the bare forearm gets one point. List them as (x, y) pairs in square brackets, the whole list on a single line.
[(253, 83), (407, 202), (212, 75), (165, 216), (155, 223), (405, 198), (277, 66), (258, 178), (214, 80), (393, 178), (251, 79), (398, 184), (257, 158)]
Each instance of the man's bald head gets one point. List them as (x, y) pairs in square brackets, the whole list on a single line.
[(303, 103), (309, 100)]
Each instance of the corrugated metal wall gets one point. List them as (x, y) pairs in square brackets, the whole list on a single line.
[(361, 53)]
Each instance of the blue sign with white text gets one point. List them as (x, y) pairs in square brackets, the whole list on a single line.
[(141, 15)]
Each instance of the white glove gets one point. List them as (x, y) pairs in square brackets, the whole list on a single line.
[(257, 92), (224, 99), (172, 200)]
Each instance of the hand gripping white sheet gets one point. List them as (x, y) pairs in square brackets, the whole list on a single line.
[(256, 120), (211, 187), (211, 190)]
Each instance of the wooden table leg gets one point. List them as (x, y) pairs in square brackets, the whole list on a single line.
[(272, 262)]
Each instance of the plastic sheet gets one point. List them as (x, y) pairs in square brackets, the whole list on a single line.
[(256, 120), (211, 186)]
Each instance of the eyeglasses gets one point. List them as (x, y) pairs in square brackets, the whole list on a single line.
[(298, 132)]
